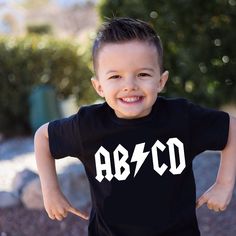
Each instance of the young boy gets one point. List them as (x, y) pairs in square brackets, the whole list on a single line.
[(137, 148)]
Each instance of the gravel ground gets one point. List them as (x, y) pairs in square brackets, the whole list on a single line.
[(17, 154)]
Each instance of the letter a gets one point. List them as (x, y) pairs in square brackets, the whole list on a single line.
[(173, 168), (103, 166), (121, 163)]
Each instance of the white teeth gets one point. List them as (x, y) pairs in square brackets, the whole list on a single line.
[(131, 99)]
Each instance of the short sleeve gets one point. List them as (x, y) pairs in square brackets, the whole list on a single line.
[(208, 129), (64, 137)]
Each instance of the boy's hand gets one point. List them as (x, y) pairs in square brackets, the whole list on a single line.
[(217, 197), (57, 206)]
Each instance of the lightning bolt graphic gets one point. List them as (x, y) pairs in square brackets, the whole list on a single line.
[(139, 156)]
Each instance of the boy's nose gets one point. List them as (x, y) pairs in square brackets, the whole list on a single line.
[(130, 85)]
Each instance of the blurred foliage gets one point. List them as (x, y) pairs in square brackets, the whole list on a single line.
[(33, 3), (39, 29), (199, 44), (33, 60)]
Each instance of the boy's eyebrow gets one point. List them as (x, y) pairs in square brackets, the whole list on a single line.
[(144, 68), (111, 71)]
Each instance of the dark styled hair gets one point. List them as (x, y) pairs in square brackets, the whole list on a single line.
[(123, 29)]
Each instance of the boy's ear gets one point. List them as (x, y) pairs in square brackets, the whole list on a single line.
[(163, 79), (97, 86)]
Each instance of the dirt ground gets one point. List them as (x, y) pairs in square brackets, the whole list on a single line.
[(21, 222)]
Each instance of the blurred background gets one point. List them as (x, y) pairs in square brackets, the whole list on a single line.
[(45, 71)]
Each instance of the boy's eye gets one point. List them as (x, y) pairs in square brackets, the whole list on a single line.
[(115, 77), (143, 75)]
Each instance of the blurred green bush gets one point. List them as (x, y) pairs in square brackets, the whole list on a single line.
[(29, 61), (199, 44), (39, 29)]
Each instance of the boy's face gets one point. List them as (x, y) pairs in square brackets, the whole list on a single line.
[(128, 77)]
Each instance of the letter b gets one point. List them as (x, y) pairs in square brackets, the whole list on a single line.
[(121, 163)]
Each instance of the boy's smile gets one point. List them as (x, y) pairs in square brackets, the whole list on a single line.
[(128, 77)]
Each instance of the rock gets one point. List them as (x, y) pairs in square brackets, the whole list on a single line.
[(74, 185), (3, 234), (31, 195), (21, 179), (8, 199)]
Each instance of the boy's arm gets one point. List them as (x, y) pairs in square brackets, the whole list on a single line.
[(219, 195), (56, 205)]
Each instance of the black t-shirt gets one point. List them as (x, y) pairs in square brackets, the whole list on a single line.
[(140, 170)]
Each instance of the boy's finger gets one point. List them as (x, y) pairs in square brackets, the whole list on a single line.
[(78, 213), (52, 217), (202, 200), (223, 208), (210, 206), (59, 217), (64, 214)]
